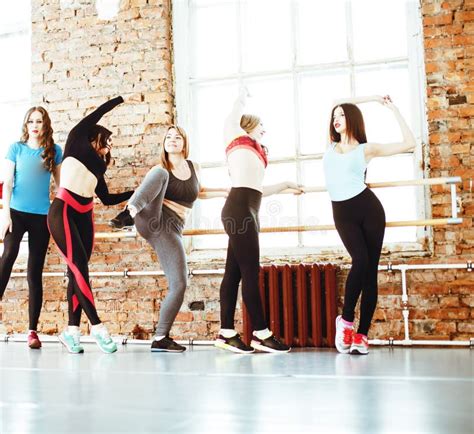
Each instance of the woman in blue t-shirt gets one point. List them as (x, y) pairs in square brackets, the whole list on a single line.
[(28, 166)]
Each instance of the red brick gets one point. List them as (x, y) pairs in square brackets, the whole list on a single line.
[(438, 19)]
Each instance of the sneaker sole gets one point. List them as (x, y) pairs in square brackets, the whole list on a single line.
[(343, 351), (224, 346), (67, 348), (124, 228), (265, 349), (359, 353), (159, 350)]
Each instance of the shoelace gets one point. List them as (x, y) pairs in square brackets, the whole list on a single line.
[(105, 336), (76, 339), (359, 339), (348, 336)]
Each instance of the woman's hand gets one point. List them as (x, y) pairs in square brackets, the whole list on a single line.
[(386, 101), (293, 186), (6, 225)]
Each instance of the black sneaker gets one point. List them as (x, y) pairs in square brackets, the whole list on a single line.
[(233, 344), (269, 345), (122, 220), (166, 345)]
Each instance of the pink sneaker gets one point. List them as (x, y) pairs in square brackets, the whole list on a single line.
[(360, 344), (33, 340), (344, 335)]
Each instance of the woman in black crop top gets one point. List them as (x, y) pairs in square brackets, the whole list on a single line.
[(70, 220), (160, 206)]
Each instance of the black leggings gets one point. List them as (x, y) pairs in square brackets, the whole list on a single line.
[(240, 219), (38, 239), (360, 222), (70, 221)]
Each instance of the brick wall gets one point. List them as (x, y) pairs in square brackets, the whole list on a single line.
[(79, 61)]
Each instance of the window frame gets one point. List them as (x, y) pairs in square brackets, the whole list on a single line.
[(414, 61)]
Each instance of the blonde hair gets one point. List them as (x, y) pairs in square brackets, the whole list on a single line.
[(164, 158), (249, 122)]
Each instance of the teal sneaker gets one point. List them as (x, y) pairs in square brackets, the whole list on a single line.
[(103, 339), (71, 341)]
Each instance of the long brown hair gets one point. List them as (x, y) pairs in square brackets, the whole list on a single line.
[(164, 157), (45, 138), (355, 126), (99, 135)]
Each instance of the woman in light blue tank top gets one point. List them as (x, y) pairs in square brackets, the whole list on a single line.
[(28, 167), (358, 214)]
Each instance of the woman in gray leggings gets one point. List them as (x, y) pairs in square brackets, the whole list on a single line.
[(159, 208)]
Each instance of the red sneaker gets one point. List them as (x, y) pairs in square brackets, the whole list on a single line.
[(344, 335), (360, 344), (33, 340)]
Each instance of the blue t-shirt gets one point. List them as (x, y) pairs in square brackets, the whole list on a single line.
[(31, 180)]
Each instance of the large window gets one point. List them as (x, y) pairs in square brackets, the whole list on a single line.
[(296, 57), (15, 73)]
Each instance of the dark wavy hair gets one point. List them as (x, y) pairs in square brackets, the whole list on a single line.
[(45, 138), (100, 135), (355, 126)]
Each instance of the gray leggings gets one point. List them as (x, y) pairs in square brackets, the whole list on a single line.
[(162, 228)]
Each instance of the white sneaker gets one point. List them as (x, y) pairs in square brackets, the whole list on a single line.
[(344, 336)]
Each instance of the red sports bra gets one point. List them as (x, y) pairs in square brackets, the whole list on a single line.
[(246, 142)]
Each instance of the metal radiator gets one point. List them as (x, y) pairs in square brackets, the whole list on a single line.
[(299, 302)]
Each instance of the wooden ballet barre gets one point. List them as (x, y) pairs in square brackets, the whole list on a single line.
[(274, 229), (411, 182)]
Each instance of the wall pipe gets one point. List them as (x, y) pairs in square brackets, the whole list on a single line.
[(403, 268)]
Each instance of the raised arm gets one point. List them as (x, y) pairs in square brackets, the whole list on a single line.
[(357, 100), (91, 119), (384, 150), (8, 176), (232, 127)]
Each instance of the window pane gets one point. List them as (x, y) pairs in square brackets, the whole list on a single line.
[(15, 80), (279, 209), (277, 118), (12, 118), (211, 105), (207, 213), (321, 32), (380, 122), (15, 16), (317, 92), (266, 34), (380, 29), (396, 168), (213, 40), (316, 207)]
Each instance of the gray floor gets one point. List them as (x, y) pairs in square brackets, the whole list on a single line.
[(207, 390)]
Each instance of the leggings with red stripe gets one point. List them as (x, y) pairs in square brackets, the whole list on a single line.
[(71, 224)]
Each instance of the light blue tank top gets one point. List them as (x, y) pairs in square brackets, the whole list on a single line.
[(344, 173)]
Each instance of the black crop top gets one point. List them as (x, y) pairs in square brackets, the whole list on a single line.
[(79, 147), (183, 192)]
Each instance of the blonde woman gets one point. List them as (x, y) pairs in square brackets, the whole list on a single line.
[(247, 161), (159, 208)]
